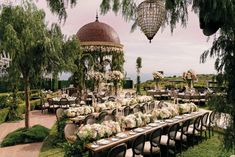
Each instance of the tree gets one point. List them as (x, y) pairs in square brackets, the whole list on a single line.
[(34, 49), (138, 67), (83, 63)]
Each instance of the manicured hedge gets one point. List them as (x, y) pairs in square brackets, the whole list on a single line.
[(3, 114), (34, 104), (37, 133)]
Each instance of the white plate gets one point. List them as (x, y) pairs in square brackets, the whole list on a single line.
[(139, 130), (186, 114), (114, 139), (178, 117), (147, 127), (161, 122), (103, 141), (152, 124), (121, 135), (169, 120), (132, 133), (157, 121), (94, 146), (196, 112)]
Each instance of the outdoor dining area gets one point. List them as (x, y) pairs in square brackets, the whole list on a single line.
[(136, 125)]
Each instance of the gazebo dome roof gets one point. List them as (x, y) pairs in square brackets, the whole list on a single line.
[(98, 32)]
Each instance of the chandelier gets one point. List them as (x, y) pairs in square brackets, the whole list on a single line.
[(150, 16)]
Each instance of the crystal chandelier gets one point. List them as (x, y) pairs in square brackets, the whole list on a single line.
[(150, 16)]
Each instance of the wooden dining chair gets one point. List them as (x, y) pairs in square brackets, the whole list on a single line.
[(52, 105), (70, 132), (152, 105), (128, 95), (211, 123), (127, 110), (181, 136), (44, 105), (152, 147), (194, 131), (99, 100), (137, 148), (168, 140), (111, 98), (90, 119), (77, 101), (114, 112), (59, 113), (144, 108), (136, 109), (102, 115), (118, 151), (204, 121), (64, 103)]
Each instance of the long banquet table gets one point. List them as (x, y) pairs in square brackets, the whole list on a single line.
[(131, 135)]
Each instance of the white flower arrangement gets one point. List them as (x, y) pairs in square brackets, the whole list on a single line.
[(136, 120), (97, 76), (114, 75), (78, 111), (109, 105), (189, 75), (71, 112), (96, 131), (114, 126), (144, 99), (157, 75), (187, 108), (101, 48)]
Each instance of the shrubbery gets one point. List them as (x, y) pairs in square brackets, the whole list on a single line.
[(3, 114), (36, 133)]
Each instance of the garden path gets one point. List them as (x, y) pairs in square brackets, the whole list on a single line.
[(30, 150)]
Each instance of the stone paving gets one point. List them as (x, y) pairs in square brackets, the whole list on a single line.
[(25, 150)]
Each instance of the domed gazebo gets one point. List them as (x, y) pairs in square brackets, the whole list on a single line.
[(102, 42)]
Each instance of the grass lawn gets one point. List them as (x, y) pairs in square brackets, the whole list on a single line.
[(48, 149), (208, 148)]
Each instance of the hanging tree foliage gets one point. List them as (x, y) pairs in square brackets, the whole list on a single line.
[(33, 47)]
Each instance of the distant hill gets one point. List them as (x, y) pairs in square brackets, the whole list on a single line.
[(177, 81)]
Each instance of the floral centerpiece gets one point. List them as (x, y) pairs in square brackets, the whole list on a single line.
[(144, 98), (187, 108), (78, 111), (109, 105), (189, 76), (97, 77), (96, 131), (162, 113), (115, 77), (135, 120), (157, 76)]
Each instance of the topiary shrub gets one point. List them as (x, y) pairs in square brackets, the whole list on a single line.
[(37, 133), (3, 114)]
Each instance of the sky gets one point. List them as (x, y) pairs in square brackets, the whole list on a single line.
[(171, 53)]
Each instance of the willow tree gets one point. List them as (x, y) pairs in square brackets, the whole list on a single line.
[(34, 49)]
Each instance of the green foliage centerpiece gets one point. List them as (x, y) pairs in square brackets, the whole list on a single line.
[(138, 67)]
